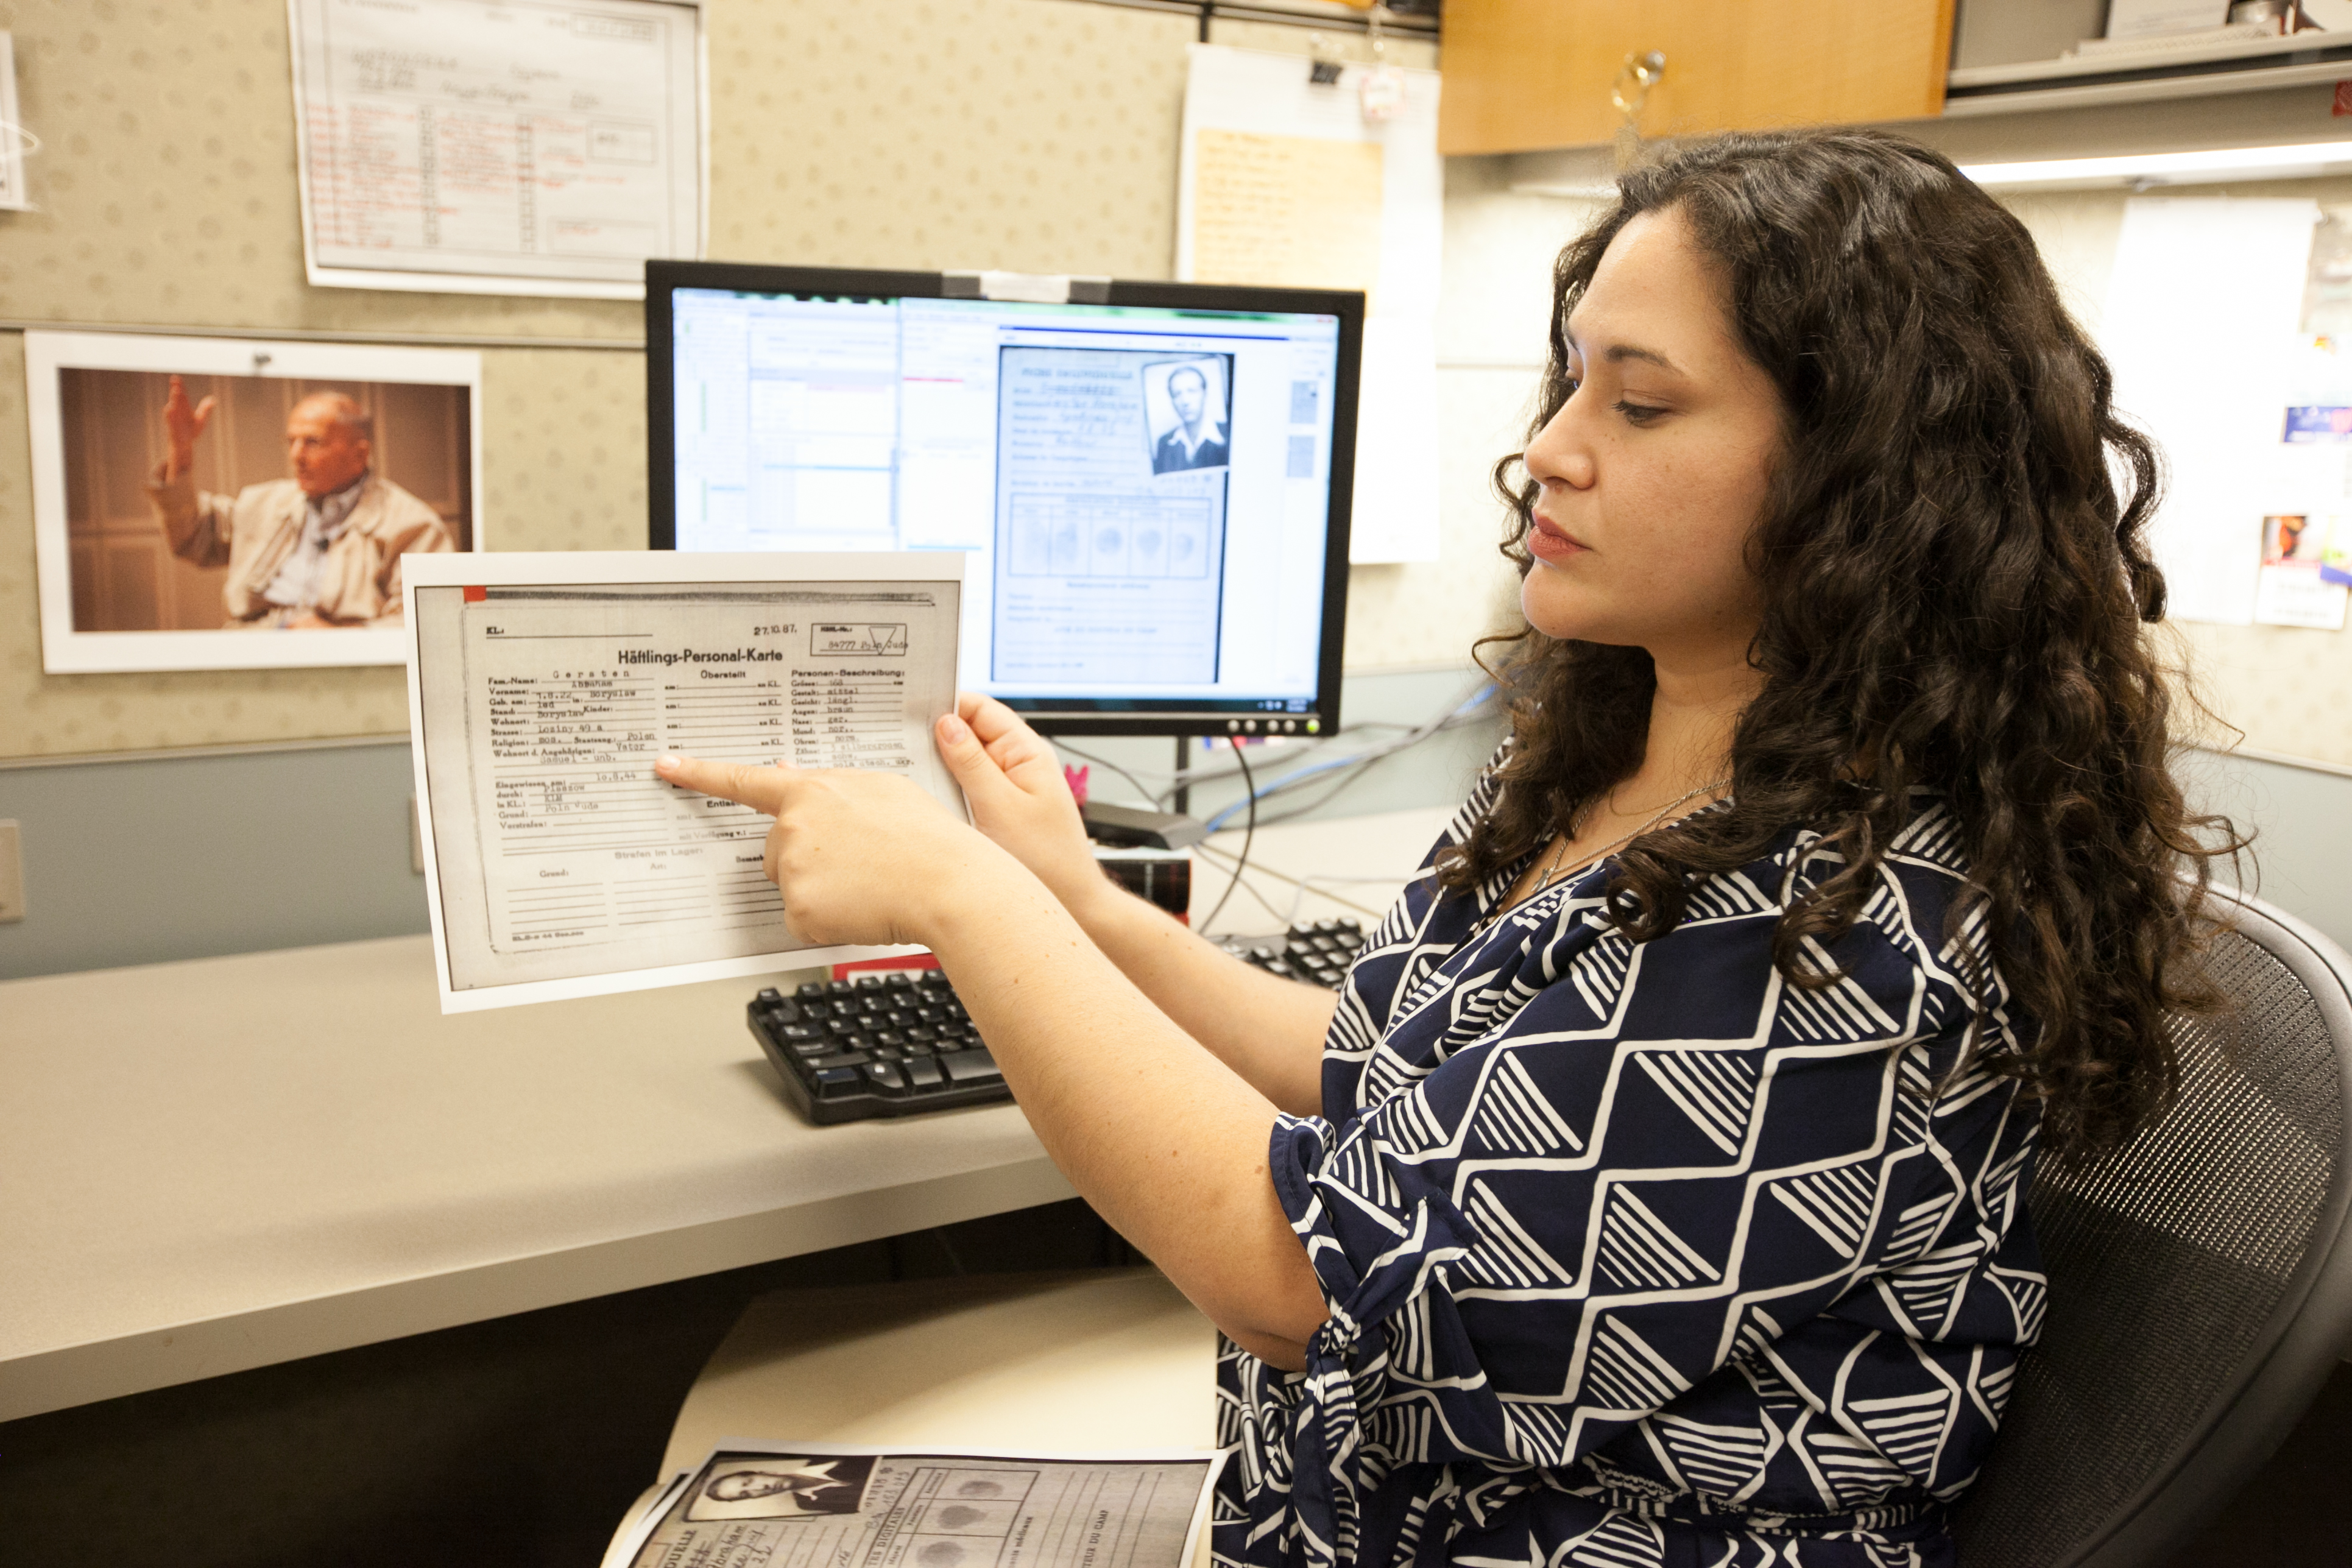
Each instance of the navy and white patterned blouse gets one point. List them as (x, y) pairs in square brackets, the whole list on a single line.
[(1637, 1255)]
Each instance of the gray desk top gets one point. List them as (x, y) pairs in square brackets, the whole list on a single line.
[(219, 1164), (213, 1165)]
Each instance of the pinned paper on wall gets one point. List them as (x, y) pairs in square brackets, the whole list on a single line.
[(14, 140), (497, 146), (1284, 181), (2200, 327), (1293, 211), (2292, 588)]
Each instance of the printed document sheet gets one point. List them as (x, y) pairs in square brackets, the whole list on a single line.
[(763, 1505), (542, 686), (497, 146)]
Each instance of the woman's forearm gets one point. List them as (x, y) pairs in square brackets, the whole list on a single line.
[(1168, 1143), (1269, 1029)]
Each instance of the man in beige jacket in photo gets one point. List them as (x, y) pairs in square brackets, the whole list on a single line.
[(320, 550)]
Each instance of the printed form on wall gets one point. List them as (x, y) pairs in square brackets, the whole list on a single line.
[(1286, 182), (497, 146), (14, 137), (542, 686)]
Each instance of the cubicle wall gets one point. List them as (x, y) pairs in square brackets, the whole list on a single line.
[(1035, 135), (1025, 134)]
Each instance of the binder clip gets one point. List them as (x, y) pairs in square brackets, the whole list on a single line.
[(1321, 72)]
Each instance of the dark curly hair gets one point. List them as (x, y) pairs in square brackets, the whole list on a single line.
[(1954, 595)]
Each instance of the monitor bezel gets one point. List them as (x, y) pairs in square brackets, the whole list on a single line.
[(1098, 717)]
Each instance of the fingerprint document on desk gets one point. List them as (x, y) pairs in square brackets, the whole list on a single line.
[(562, 866), (762, 1505)]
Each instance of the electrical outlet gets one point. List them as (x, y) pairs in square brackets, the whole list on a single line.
[(12, 872), (416, 839)]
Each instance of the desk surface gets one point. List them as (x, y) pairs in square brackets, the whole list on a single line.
[(219, 1164)]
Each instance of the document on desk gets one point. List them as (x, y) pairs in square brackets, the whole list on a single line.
[(541, 687), (764, 1505), (497, 146)]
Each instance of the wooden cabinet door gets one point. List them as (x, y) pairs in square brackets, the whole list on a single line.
[(1526, 74)]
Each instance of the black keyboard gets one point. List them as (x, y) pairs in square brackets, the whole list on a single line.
[(897, 1043), (1319, 952), (881, 1045)]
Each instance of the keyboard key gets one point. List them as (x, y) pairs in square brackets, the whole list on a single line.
[(889, 1037), (811, 991), (840, 1059), (971, 1067), (900, 980), (797, 1032), (835, 1083), (886, 1077), (922, 1035), (838, 988), (924, 1073)]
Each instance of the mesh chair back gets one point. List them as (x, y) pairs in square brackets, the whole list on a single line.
[(2199, 1289)]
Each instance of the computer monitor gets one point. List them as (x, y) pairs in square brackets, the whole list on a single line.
[(1152, 479)]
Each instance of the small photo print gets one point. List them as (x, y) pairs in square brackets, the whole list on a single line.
[(2293, 537), (1186, 403), (783, 1485)]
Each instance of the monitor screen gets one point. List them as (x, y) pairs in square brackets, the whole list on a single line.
[(1144, 480)]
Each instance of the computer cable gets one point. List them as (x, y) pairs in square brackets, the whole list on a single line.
[(1456, 714), (1249, 832), (1226, 863)]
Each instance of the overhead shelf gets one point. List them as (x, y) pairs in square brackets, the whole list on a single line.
[(2254, 64)]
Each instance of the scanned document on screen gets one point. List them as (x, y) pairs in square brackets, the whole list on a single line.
[(1110, 523), (561, 865), (761, 1505), (497, 146)]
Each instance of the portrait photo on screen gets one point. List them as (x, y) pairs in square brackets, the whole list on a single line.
[(1184, 403), (237, 504)]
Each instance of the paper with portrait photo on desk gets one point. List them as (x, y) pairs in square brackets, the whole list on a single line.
[(541, 687), (756, 1504)]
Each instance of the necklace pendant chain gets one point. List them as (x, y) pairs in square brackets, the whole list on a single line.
[(1552, 872)]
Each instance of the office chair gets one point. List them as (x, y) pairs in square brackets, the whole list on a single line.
[(2200, 1278)]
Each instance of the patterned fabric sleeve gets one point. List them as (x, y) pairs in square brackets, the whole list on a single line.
[(1637, 1167)]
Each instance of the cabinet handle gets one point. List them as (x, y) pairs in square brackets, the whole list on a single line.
[(1635, 77)]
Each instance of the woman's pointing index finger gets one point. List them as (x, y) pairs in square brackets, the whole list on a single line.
[(762, 789)]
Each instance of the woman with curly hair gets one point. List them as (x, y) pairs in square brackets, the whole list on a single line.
[(1654, 1191)]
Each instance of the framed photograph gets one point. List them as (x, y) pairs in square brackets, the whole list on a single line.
[(230, 503)]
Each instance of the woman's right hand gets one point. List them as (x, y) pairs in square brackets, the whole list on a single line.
[(1019, 797)]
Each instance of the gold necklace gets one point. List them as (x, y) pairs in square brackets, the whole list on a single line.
[(1552, 872)]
